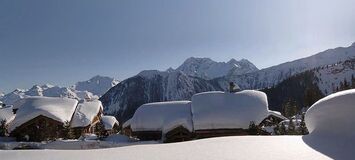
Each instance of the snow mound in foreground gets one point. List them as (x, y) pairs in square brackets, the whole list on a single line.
[(220, 110), (333, 115)]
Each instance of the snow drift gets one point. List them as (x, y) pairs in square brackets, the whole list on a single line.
[(333, 115), (220, 110)]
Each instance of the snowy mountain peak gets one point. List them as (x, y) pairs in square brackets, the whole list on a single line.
[(97, 85), (208, 69)]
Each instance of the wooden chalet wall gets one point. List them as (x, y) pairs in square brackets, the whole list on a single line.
[(147, 135), (38, 129), (178, 134), (208, 133)]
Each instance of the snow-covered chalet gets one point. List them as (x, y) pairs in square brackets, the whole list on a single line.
[(208, 114), (47, 118)]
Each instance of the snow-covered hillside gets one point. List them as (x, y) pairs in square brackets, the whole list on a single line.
[(209, 69), (273, 75), (152, 86), (332, 77), (92, 88)]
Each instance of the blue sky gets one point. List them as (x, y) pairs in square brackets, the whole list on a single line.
[(62, 42)]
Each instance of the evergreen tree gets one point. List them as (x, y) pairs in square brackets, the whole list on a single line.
[(291, 130), (253, 129), (341, 86), (68, 132), (282, 130), (346, 84), (3, 130), (100, 130), (277, 130), (303, 128), (290, 108)]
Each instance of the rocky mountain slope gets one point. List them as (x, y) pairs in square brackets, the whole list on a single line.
[(152, 86), (326, 70), (208, 69), (273, 75), (303, 89)]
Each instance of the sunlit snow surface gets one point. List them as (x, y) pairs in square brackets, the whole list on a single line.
[(330, 122), (242, 147)]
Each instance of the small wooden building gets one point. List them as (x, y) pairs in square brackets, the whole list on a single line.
[(178, 134), (111, 125), (273, 118), (41, 118), (126, 128), (218, 113), (86, 117), (161, 121)]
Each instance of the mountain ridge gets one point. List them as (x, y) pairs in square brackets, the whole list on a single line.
[(92, 88)]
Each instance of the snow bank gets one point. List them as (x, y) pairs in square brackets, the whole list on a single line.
[(222, 148), (59, 109), (6, 114), (109, 121), (85, 113), (162, 116), (220, 110), (119, 138), (333, 115)]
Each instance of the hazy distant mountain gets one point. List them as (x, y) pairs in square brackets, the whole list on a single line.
[(97, 85), (209, 69), (152, 86), (92, 88)]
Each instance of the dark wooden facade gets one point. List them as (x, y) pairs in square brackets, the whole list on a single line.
[(147, 135), (111, 131), (40, 128), (178, 134), (208, 133), (271, 120), (127, 131)]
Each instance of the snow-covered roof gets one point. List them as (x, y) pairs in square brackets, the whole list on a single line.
[(220, 110), (59, 109), (162, 116), (277, 114), (127, 123), (109, 121), (85, 113), (333, 115), (7, 114)]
